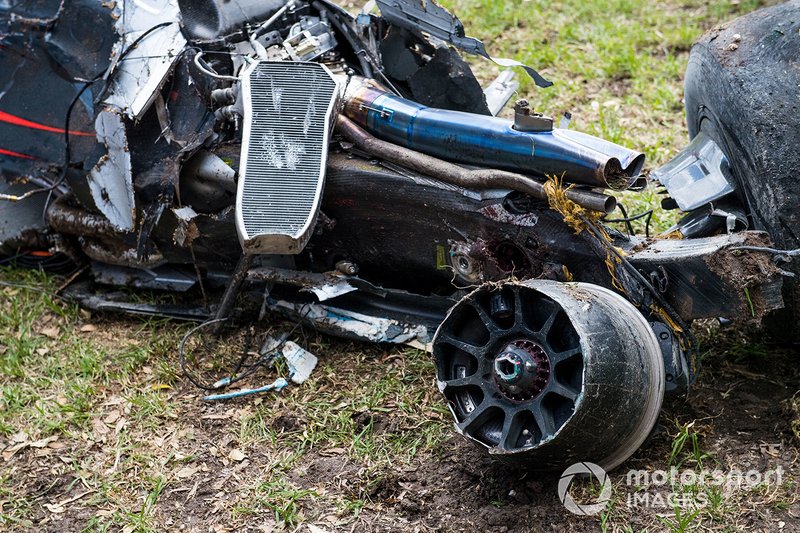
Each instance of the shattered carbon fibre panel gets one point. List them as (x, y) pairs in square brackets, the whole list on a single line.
[(32, 134), (703, 279), (20, 222), (83, 39), (407, 230), (209, 19), (137, 78), (110, 180), (435, 76)]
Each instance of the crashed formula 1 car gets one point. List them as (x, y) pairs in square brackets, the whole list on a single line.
[(351, 170)]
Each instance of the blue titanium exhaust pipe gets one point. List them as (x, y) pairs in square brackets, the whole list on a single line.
[(491, 142)]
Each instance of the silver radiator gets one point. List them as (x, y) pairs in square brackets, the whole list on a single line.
[(288, 115)]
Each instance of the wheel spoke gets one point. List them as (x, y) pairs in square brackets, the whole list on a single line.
[(471, 349), (519, 319), (561, 356), (484, 316), (544, 419), (562, 390), (511, 431), (545, 329), (476, 418)]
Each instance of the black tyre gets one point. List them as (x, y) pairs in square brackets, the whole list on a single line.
[(742, 88), (545, 374)]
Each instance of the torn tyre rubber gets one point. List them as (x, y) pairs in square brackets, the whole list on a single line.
[(741, 89), (545, 374)]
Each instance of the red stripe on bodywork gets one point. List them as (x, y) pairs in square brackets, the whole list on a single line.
[(15, 154), (17, 121)]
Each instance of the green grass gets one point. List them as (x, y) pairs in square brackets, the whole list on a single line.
[(686, 447), (52, 376)]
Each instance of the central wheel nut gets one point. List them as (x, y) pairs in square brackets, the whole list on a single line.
[(509, 367), (521, 370)]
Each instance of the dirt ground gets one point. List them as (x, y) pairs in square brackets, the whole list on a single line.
[(150, 455)]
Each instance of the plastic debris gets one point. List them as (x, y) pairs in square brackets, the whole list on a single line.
[(301, 364)]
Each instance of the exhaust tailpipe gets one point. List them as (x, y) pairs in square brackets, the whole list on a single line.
[(491, 142)]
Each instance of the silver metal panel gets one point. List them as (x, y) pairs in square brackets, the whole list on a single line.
[(696, 175), (288, 111), (500, 91), (110, 181)]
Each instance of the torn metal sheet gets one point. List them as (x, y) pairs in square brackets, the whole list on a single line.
[(110, 181), (427, 16), (135, 81), (331, 290), (90, 297), (323, 286), (349, 323)]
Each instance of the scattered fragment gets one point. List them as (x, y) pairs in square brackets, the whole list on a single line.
[(278, 384), (236, 455), (44, 442), (51, 331), (60, 507), (188, 471), (301, 362)]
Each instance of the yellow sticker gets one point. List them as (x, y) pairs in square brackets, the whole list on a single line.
[(441, 258)]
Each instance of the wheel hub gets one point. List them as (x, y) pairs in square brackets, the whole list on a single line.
[(521, 370)]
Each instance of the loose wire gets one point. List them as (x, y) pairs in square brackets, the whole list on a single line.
[(627, 220)]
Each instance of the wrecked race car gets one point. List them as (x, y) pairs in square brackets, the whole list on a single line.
[(352, 172)]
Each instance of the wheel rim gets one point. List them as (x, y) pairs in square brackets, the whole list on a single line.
[(514, 384), (545, 374)]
